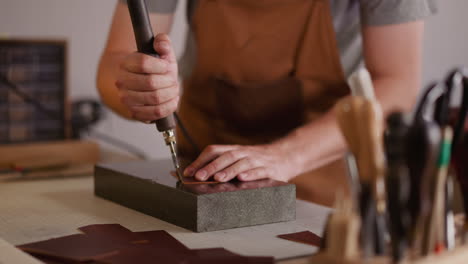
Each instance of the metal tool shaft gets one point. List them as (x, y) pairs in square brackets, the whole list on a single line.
[(169, 138)]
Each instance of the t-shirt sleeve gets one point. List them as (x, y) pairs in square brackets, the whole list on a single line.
[(386, 12), (159, 6)]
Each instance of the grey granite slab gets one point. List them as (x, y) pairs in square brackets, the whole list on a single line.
[(148, 187)]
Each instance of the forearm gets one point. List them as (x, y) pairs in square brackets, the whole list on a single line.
[(393, 57), (320, 142), (106, 78)]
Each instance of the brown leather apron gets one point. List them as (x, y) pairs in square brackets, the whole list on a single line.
[(263, 68)]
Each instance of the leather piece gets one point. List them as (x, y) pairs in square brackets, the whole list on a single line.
[(146, 255), (232, 186), (192, 181), (55, 261), (195, 186), (305, 237), (110, 231), (79, 248), (164, 240), (114, 244)]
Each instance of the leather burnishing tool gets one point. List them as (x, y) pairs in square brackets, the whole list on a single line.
[(361, 122), (360, 118), (144, 39)]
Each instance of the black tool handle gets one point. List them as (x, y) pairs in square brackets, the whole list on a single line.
[(144, 39)]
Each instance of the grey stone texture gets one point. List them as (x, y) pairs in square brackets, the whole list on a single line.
[(148, 187)]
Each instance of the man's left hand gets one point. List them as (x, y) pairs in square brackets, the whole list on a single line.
[(247, 163)]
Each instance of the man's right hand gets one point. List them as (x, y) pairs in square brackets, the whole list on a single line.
[(149, 86)]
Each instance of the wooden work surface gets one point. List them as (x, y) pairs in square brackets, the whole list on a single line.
[(42, 209)]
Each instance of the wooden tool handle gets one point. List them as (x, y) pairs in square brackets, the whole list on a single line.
[(348, 116), (371, 133), (361, 122), (342, 231)]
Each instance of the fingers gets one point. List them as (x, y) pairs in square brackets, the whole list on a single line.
[(237, 168), (131, 98), (148, 85), (151, 113), (144, 64), (163, 46), (254, 174), (145, 82), (208, 154), (213, 168), (226, 162)]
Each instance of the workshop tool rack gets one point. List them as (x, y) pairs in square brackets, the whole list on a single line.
[(456, 256), (35, 69)]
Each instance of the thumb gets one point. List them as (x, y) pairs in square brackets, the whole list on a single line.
[(163, 46)]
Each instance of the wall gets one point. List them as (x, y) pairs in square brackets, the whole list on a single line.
[(446, 39), (85, 23)]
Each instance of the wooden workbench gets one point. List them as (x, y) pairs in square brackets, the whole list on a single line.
[(42, 209)]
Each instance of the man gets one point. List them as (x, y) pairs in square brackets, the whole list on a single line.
[(260, 79)]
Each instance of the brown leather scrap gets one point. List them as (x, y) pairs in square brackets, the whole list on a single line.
[(77, 248), (193, 180), (114, 244), (305, 237)]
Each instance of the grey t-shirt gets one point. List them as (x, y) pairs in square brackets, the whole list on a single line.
[(348, 15)]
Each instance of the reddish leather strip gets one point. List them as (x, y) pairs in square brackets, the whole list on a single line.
[(114, 244), (305, 237)]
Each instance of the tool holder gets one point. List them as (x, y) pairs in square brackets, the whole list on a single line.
[(418, 151), (329, 255), (456, 256)]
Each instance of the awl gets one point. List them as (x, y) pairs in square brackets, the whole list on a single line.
[(144, 39)]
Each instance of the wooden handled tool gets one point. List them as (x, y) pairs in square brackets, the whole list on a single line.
[(360, 83), (368, 123), (436, 229), (361, 121), (343, 232)]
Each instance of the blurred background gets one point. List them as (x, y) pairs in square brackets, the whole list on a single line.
[(85, 23)]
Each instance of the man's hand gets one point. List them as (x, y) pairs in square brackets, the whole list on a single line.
[(247, 163), (148, 86)]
